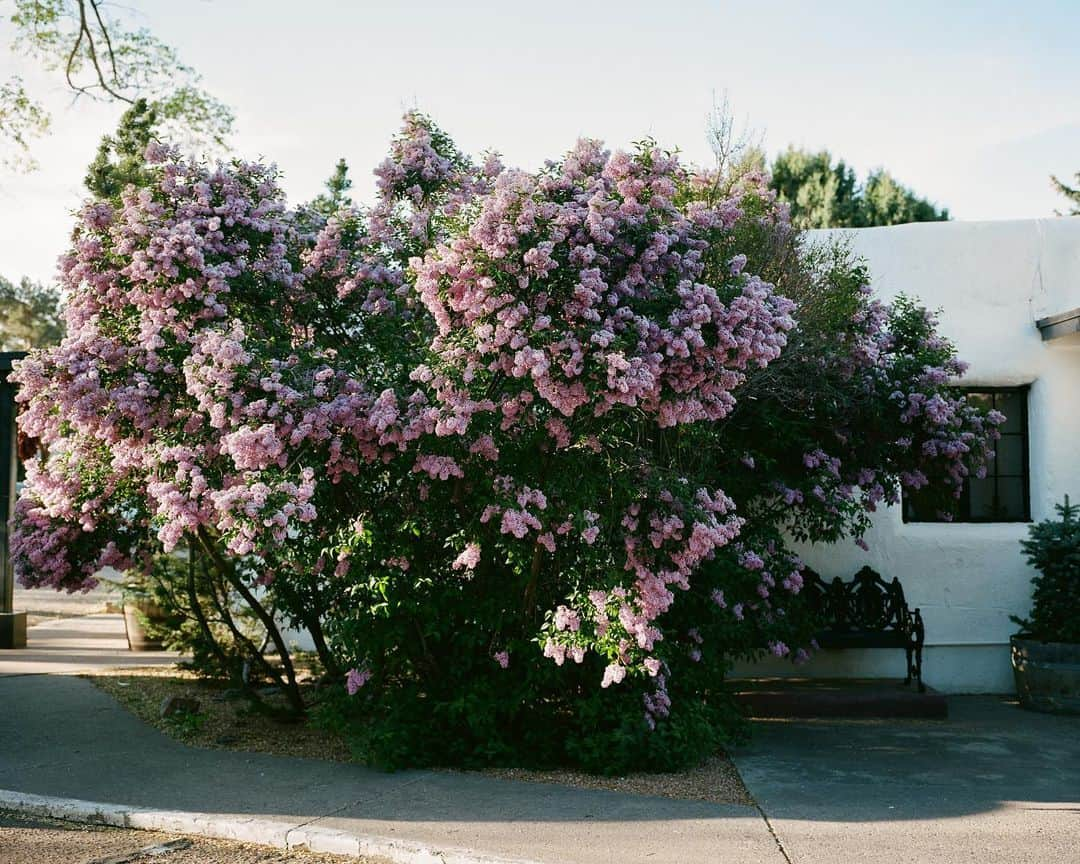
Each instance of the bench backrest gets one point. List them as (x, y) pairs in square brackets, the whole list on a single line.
[(867, 602)]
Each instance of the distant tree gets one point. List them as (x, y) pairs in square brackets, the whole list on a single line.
[(21, 119), (826, 195), (885, 202), (30, 315), (736, 147), (337, 192), (1070, 192), (820, 194), (121, 157), (100, 58)]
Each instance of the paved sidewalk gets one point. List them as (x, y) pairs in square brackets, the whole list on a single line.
[(76, 645), (62, 737), (993, 784)]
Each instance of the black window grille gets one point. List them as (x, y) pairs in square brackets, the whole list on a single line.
[(1003, 495)]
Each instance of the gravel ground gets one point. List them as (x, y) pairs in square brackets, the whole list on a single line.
[(49, 841), (717, 781), (225, 722)]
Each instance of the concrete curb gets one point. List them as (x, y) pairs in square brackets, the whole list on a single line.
[(245, 829)]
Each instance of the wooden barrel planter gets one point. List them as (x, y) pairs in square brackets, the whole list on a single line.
[(1047, 675), (137, 611)]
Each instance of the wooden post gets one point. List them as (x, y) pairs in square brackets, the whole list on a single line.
[(12, 623)]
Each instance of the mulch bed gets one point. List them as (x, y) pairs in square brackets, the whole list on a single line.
[(227, 721)]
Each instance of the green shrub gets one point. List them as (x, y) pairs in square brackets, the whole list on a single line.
[(1053, 548)]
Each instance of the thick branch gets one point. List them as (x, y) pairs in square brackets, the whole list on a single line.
[(196, 610), (292, 691), (226, 618)]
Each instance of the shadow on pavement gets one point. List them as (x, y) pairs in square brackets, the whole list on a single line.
[(988, 754)]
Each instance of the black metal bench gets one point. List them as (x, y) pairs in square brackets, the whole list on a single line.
[(866, 612)]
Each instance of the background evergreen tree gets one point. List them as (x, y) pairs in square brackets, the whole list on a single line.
[(120, 156), (30, 315), (826, 195), (1070, 192), (821, 195), (337, 192), (1053, 549)]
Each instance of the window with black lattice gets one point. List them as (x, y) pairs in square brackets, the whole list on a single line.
[(1003, 495)]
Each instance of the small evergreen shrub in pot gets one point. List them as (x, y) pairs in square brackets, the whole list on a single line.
[(1046, 651)]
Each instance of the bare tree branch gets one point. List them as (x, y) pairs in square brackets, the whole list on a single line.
[(101, 57), (92, 48), (108, 40), (75, 53)]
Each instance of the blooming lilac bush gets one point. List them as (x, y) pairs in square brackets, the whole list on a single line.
[(522, 451)]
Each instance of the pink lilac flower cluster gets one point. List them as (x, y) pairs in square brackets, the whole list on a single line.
[(657, 703), (664, 542), (189, 378), (922, 428), (355, 679), (424, 181), (580, 287), (468, 559)]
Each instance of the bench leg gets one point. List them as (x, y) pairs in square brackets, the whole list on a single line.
[(918, 668), (910, 665), (919, 632)]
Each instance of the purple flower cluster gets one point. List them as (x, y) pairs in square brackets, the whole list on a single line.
[(580, 288)]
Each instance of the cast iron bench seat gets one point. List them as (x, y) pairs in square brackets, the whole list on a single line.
[(867, 612)]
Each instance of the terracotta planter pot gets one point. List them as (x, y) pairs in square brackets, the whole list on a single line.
[(135, 611), (1047, 675)]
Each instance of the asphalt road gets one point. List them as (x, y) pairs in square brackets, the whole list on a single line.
[(41, 604)]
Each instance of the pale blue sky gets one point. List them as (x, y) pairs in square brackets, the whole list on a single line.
[(972, 104)]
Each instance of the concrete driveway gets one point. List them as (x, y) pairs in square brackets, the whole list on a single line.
[(993, 783)]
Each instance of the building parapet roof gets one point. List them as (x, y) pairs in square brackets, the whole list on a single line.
[(1062, 324)]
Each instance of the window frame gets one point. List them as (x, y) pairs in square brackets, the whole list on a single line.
[(963, 517)]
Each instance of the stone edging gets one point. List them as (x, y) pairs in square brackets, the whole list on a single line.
[(243, 829)]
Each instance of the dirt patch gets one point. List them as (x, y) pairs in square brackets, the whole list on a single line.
[(227, 721), (37, 840), (717, 781)]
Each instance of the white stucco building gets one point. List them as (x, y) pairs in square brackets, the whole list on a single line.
[(1009, 295)]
